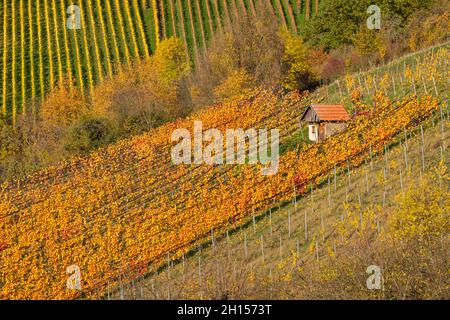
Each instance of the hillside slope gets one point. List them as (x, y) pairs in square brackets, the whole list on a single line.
[(124, 208), (38, 51), (320, 246)]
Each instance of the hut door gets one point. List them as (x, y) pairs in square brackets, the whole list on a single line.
[(313, 134)]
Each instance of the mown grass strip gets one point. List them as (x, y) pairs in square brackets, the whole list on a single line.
[(242, 9), (223, 13), (76, 52), (213, 16), (130, 31), (296, 10), (58, 47), (22, 57), (86, 52), (232, 9), (200, 29), (13, 61), (140, 25), (123, 45), (112, 30), (207, 19), (279, 13), (162, 19), (175, 23), (31, 54), (189, 32), (267, 5), (5, 55), (287, 11), (250, 7), (178, 11), (49, 41), (308, 9), (66, 45), (168, 23), (93, 32), (156, 20)]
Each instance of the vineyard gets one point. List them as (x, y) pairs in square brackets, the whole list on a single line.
[(38, 51), (124, 209), (283, 252)]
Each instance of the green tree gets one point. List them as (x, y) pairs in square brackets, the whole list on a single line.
[(339, 20), (170, 61), (298, 60), (367, 41)]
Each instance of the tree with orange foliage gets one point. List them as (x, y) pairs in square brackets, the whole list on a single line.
[(63, 106)]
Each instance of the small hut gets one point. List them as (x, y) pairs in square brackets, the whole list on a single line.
[(325, 120)]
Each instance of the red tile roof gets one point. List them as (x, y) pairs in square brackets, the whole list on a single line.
[(331, 112)]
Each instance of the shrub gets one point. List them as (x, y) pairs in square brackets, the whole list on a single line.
[(63, 106), (238, 83), (332, 68), (422, 210), (366, 41), (87, 134), (424, 32), (298, 62), (170, 62), (10, 142), (251, 49)]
